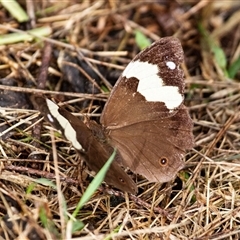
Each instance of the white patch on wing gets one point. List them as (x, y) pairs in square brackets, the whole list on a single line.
[(151, 86), (171, 65), (50, 118), (69, 131)]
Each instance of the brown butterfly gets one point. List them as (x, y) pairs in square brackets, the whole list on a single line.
[(144, 119)]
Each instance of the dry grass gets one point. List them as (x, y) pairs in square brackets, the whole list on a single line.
[(202, 203)]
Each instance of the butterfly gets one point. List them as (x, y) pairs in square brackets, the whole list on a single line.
[(144, 119)]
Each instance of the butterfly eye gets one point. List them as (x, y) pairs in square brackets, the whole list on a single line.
[(163, 161)]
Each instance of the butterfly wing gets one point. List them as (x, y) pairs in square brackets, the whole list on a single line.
[(155, 148), (151, 86), (145, 118), (93, 152)]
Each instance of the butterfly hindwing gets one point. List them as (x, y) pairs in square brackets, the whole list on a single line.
[(155, 148)]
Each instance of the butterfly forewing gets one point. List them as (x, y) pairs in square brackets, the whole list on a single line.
[(82, 138), (149, 88)]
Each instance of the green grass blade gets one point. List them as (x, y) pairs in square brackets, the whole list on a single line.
[(141, 40), (93, 186), (15, 10), (234, 68), (25, 36)]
